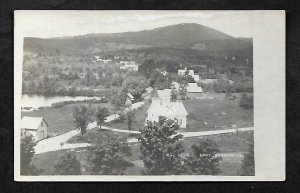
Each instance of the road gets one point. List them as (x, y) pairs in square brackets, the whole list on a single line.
[(59, 142)]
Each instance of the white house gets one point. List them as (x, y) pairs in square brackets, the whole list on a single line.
[(34, 126), (194, 91), (170, 110), (130, 65), (99, 59), (162, 106)]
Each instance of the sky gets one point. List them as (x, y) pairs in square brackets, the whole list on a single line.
[(47, 24)]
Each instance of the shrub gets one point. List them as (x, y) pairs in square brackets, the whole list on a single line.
[(246, 102)]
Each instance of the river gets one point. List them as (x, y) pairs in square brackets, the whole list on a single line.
[(36, 101)]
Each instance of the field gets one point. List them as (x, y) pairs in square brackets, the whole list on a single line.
[(228, 143), (216, 113), (139, 119), (60, 120)]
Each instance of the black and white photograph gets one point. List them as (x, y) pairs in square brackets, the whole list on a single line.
[(138, 94)]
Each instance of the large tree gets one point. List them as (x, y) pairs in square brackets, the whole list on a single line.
[(101, 114), (107, 156), (135, 85), (248, 166), (68, 164), (161, 148), (26, 155), (203, 159), (82, 116)]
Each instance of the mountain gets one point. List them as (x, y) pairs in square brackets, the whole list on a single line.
[(169, 36)]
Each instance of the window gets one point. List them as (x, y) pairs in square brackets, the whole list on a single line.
[(42, 134), (42, 124), (179, 121)]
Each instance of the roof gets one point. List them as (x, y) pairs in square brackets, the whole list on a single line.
[(167, 108), (31, 122), (166, 93), (193, 87), (130, 96)]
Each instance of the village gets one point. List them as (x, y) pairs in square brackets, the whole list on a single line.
[(184, 97)]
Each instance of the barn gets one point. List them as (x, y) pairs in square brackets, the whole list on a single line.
[(194, 91), (37, 127)]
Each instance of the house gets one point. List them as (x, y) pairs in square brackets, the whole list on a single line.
[(99, 59), (129, 100), (34, 126), (171, 110), (162, 106), (130, 66), (194, 91)]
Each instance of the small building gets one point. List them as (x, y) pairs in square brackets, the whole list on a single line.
[(129, 100), (194, 91), (170, 110), (129, 65), (37, 127)]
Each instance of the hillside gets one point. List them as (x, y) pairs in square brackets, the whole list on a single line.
[(169, 36)]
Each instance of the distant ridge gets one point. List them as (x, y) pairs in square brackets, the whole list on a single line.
[(168, 36)]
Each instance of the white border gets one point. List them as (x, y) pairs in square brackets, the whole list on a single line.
[(269, 106)]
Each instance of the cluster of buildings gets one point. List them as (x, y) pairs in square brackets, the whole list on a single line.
[(193, 91)]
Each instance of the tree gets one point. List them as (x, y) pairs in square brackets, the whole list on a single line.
[(248, 166), (147, 67), (101, 115), (82, 116), (246, 102), (68, 164), (130, 119), (26, 154), (203, 160), (106, 155), (135, 85), (161, 148)]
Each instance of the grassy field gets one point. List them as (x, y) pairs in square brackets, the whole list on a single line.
[(236, 143), (92, 135), (60, 120), (216, 113), (139, 119)]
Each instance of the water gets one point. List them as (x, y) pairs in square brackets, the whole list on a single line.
[(36, 101)]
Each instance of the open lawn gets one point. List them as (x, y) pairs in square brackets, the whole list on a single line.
[(93, 134), (139, 119), (215, 114), (60, 120)]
